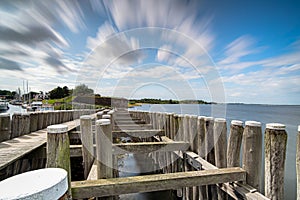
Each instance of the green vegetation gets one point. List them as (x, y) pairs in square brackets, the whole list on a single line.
[(8, 94), (82, 90), (153, 101), (138, 102), (59, 92)]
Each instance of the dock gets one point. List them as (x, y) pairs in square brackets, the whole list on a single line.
[(195, 157)]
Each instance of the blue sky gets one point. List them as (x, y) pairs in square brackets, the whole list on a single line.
[(224, 51)]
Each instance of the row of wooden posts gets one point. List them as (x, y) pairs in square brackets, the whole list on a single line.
[(208, 139), (58, 146), (24, 123)]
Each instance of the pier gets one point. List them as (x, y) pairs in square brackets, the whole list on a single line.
[(192, 155)]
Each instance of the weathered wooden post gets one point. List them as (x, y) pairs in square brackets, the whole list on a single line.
[(4, 127), (179, 137), (275, 151), (220, 136), (104, 149), (20, 124), (234, 143), (40, 120), (33, 121), (210, 152), (201, 150), (298, 163), (87, 143), (15, 123), (46, 119), (25, 123), (58, 150), (252, 153), (201, 135)]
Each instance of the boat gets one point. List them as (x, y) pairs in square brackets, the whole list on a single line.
[(3, 105), (16, 102), (39, 106)]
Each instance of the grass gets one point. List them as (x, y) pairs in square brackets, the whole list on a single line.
[(67, 99)]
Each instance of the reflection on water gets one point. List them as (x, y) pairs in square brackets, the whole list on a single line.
[(134, 165), (12, 109)]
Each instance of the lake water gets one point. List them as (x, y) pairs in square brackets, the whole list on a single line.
[(285, 114)]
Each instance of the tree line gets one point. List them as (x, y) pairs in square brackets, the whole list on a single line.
[(56, 93)]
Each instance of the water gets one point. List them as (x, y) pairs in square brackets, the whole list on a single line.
[(285, 114), (12, 109)]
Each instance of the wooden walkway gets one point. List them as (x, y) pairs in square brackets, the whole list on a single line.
[(13, 150)]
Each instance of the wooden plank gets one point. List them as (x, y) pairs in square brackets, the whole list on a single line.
[(147, 147), (139, 147), (235, 190), (133, 127), (130, 122), (12, 150), (157, 182), (93, 172), (139, 133)]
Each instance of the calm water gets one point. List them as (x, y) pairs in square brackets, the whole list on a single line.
[(13, 109), (288, 115)]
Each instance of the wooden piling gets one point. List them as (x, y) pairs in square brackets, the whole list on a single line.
[(87, 143), (298, 163), (201, 150), (210, 153), (234, 143), (252, 153), (33, 121), (4, 127), (40, 120), (20, 124), (275, 152), (58, 150), (104, 148), (220, 137)]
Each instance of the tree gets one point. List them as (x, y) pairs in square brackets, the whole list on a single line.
[(66, 91), (58, 93), (82, 90)]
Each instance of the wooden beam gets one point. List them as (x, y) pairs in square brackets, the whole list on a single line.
[(157, 182), (133, 127), (235, 190), (129, 122), (139, 147), (75, 135), (139, 133), (147, 147)]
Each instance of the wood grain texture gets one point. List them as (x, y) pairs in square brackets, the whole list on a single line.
[(275, 153), (158, 182)]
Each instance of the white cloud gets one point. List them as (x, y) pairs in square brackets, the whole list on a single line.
[(237, 49), (27, 33)]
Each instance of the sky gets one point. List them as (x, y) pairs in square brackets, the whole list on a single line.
[(222, 51)]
